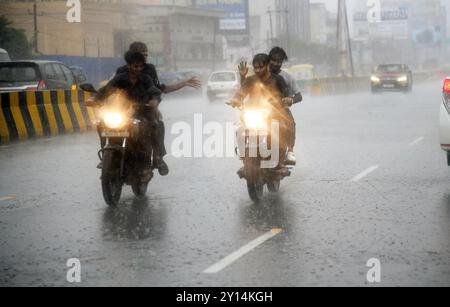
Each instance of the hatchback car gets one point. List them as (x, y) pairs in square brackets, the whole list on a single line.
[(222, 83), (36, 75)]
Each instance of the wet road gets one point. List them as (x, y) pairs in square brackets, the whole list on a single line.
[(371, 182)]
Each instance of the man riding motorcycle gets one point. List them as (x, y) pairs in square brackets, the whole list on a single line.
[(138, 88), (271, 88), (149, 69), (277, 57)]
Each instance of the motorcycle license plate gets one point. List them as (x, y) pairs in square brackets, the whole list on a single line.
[(110, 134)]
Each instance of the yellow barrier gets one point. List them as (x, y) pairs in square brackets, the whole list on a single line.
[(30, 114)]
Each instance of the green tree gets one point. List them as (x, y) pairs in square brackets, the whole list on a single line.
[(13, 40)]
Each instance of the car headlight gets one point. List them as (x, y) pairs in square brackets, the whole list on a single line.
[(403, 79), (113, 120), (256, 119), (375, 79)]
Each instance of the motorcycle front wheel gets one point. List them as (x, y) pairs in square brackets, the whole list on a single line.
[(139, 189), (255, 186), (274, 186), (111, 183)]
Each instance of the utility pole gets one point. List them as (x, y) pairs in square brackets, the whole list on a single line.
[(36, 32), (343, 41)]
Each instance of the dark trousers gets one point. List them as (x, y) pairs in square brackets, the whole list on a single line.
[(288, 131)]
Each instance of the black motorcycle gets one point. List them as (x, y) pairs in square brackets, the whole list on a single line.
[(125, 159), (257, 149)]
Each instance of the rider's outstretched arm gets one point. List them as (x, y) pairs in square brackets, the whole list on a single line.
[(193, 82)]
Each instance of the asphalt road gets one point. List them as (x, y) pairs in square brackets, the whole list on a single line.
[(371, 182)]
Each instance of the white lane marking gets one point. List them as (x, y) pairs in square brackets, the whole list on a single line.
[(417, 141), (222, 264), (9, 197), (365, 173)]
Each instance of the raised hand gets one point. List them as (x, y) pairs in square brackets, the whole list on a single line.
[(243, 69), (194, 83)]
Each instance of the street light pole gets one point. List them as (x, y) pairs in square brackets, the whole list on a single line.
[(36, 32)]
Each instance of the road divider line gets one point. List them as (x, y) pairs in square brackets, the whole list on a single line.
[(9, 197), (219, 266), (417, 141), (365, 173)]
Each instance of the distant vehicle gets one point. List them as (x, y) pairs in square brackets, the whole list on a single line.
[(391, 77), (445, 119), (35, 76), (80, 76), (222, 83), (4, 56)]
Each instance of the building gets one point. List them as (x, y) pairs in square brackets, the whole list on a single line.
[(178, 35), (293, 19), (319, 23)]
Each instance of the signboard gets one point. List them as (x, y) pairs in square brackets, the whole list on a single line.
[(237, 21), (393, 24)]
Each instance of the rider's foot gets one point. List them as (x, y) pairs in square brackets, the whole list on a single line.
[(147, 175), (291, 159), (162, 167), (241, 173)]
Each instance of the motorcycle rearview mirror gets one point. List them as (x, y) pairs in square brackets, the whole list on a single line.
[(87, 87)]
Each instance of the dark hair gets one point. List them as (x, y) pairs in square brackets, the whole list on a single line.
[(261, 58), (133, 57), (278, 51), (138, 47)]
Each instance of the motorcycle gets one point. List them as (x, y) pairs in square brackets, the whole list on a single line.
[(261, 149), (125, 160)]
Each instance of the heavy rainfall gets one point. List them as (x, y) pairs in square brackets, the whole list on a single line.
[(244, 143)]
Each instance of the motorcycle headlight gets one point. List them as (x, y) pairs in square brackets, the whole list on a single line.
[(113, 120), (375, 79), (403, 79), (256, 119)]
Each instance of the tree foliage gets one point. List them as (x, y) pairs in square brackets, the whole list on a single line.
[(13, 40)]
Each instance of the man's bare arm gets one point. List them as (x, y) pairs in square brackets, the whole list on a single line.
[(193, 82)]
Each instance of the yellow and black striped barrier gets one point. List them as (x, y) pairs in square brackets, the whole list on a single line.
[(31, 114)]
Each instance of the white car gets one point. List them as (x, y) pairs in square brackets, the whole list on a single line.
[(445, 119), (4, 56), (222, 83)]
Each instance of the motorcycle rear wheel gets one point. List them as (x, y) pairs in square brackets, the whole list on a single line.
[(111, 183)]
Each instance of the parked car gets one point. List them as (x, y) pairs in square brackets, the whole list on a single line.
[(391, 77), (36, 75), (4, 56), (445, 119), (222, 83)]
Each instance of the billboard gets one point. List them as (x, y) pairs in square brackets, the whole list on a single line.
[(393, 24), (236, 21)]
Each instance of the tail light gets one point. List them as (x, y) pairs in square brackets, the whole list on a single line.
[(447, 86), (42, 85), (446, 91)]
